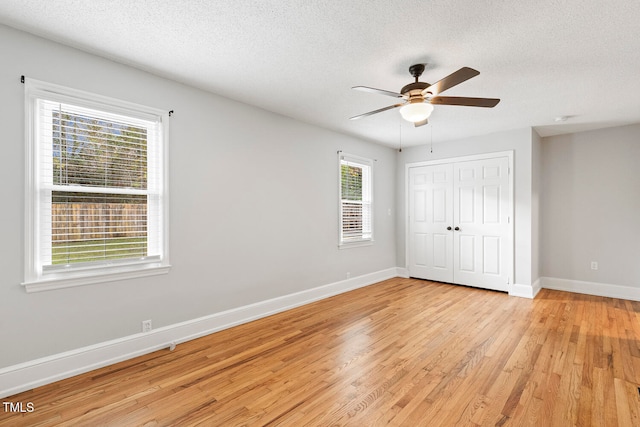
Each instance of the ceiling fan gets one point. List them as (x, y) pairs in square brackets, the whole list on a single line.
[(419, 97)]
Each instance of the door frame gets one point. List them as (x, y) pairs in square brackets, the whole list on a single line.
[(511, 241)]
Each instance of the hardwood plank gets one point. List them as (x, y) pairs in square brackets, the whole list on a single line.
[(400, 352)]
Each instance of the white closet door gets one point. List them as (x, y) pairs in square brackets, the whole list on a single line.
[(481, 223), (459, 226), (430, 214)]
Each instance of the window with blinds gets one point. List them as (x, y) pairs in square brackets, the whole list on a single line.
[(355, 199), (96, 186)]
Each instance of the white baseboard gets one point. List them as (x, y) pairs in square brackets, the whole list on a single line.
[(537, 285), (25, 376), (525, 291), (517, 290), (591, 288), (402, 272)]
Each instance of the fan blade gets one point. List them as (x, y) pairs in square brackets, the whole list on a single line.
[(462, 75), (376, 111), (467, 102), (379, 91), (422, 123)]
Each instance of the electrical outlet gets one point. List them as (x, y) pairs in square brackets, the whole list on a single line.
[(348, 275), (594, 265), (146, 325)]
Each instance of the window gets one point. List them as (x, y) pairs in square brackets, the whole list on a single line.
[(355, 200), (96, 202)]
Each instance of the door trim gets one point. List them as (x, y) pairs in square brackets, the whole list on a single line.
[(509, 154)]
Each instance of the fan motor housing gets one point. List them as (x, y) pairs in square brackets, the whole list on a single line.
[(419, 86)]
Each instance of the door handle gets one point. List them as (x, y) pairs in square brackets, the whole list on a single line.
[(449, 228), (457, 228)]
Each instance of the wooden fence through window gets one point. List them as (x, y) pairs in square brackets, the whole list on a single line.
[(89, 221)]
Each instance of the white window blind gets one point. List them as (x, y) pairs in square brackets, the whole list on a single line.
[(97, 201), (355, 199)]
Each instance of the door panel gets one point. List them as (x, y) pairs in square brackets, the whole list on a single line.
[(491, 255), (466, 205), (420, 209), (441, 246), (482, 211), (439, 205), (466, 253), (420, 249), (491, 204), (430, 213)]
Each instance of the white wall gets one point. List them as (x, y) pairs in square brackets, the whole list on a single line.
[(254, 211), (591, 210), (536, 184), (520, 141)]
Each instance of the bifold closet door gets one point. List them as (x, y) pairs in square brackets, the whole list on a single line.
[(430, 222), (481, 223), (459, 225)]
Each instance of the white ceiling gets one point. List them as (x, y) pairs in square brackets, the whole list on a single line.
[(544, 58)]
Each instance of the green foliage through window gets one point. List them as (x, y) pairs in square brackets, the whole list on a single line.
[(351, 182), (89, 151)]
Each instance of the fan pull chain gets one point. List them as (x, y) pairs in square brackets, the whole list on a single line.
[(400, 132), (431, 131)]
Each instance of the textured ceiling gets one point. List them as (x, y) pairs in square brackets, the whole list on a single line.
[(545, 58)]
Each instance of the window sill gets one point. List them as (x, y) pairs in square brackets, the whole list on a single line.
[(70, 280), (357, 244)]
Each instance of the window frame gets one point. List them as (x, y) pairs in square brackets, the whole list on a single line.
[(362, 241), (36, 277)]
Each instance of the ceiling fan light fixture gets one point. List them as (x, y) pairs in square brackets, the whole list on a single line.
[(416, 111), (419, 96)]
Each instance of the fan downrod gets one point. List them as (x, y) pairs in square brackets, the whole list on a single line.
[(416, 70)]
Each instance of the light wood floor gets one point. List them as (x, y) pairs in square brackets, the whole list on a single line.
[(402, 352)]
